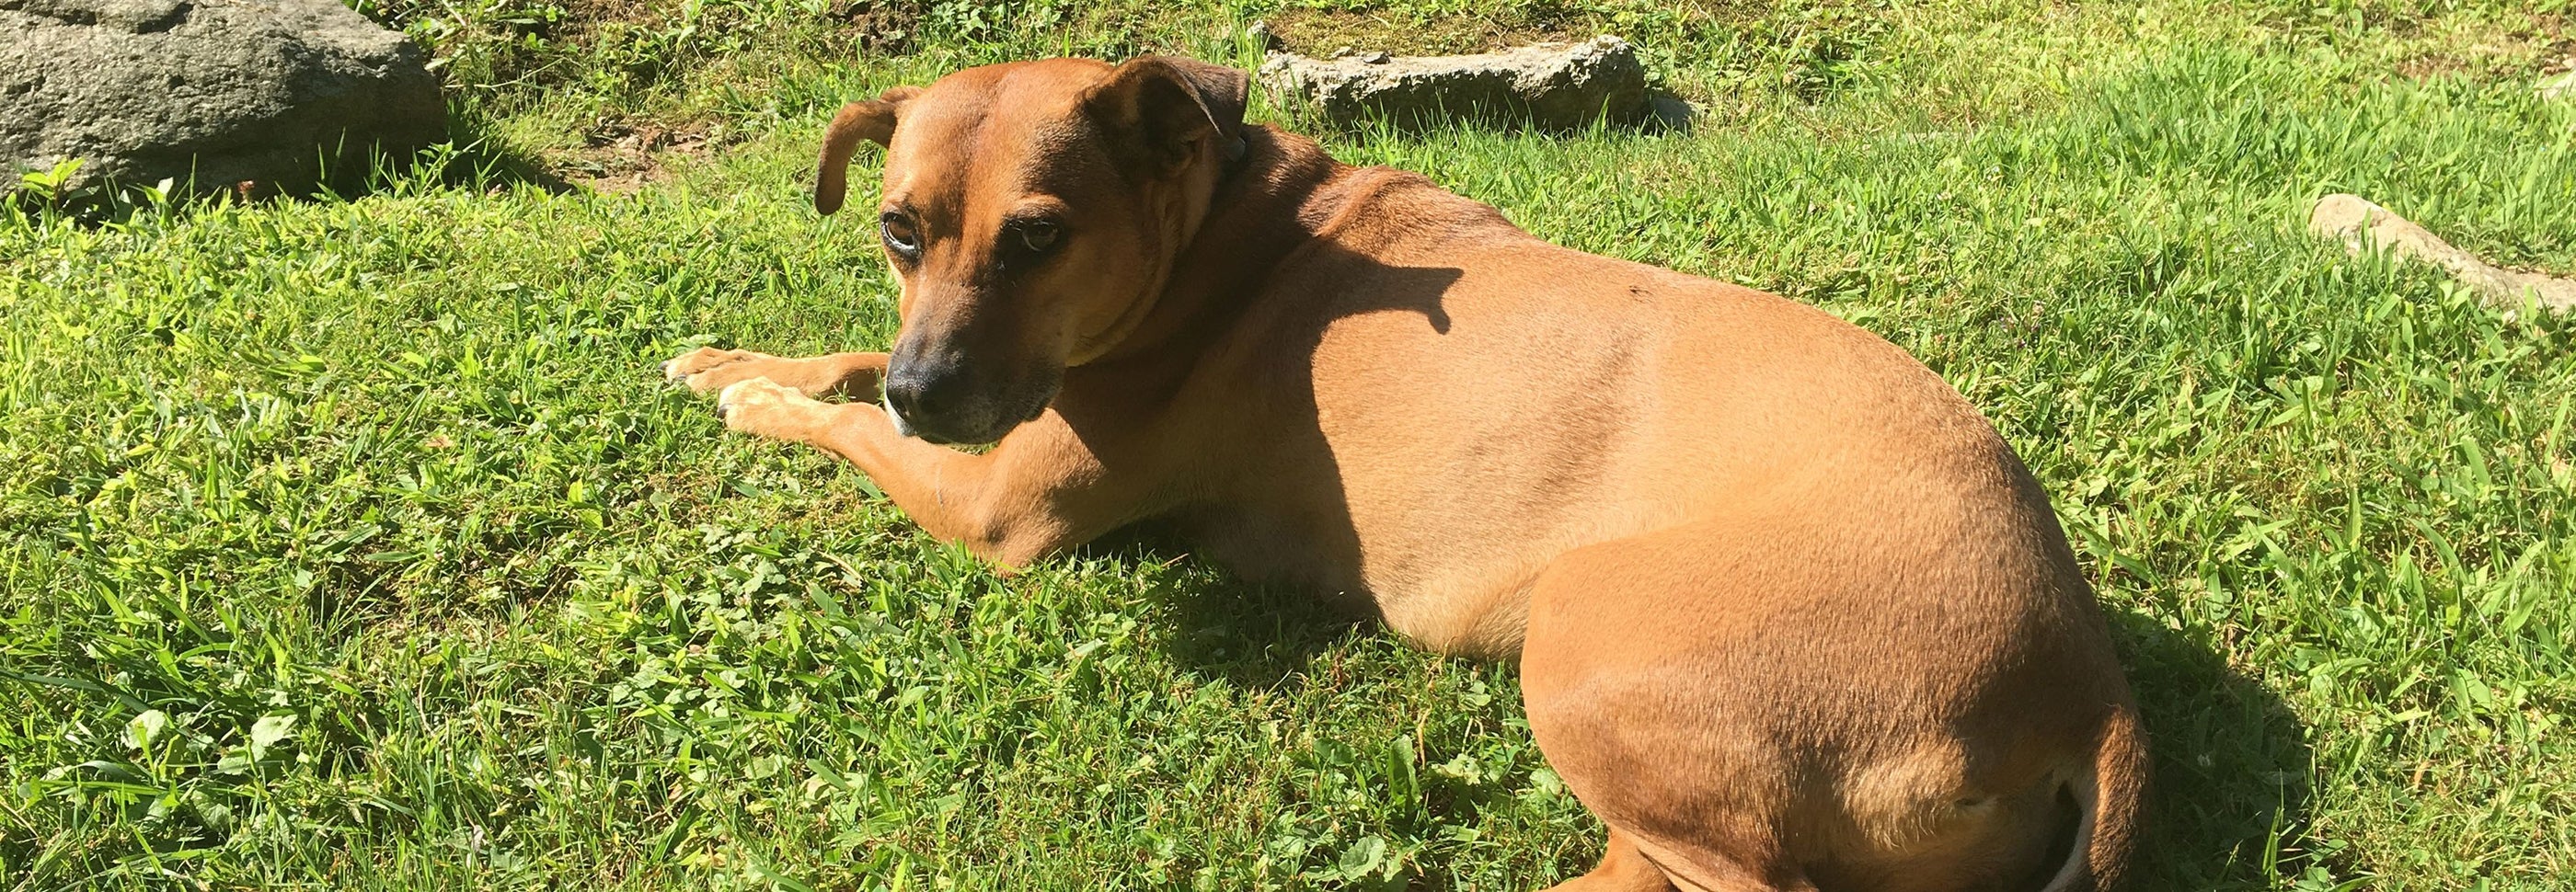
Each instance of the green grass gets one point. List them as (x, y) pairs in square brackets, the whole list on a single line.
[(358, 544)]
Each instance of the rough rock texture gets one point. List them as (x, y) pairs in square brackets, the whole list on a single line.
[(1551, 84), (2362, 226), (208, 92)]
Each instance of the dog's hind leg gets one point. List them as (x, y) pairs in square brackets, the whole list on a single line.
[(1747, 700), (1615, 677), (852, 375)]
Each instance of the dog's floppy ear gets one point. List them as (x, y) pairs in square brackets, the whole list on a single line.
[(869, 120), (1168, 105)]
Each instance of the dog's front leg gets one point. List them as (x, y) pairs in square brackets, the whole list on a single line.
[(853, 375), (1037, 491)]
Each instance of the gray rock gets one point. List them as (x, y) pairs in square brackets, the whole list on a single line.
[(1550, 84), (211, 93)]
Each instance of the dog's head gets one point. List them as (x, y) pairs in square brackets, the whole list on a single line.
[(1033, 211)]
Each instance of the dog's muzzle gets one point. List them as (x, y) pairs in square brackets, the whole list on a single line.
[(948, 404)]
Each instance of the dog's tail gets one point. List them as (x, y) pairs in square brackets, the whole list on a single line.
[(871, 120), (2111, 802)]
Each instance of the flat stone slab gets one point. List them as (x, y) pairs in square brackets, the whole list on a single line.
[(1555, 85), (2363, 226), (208, 92)]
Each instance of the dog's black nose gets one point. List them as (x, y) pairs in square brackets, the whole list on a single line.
[(915, 392), (929, 393), (940, 398)]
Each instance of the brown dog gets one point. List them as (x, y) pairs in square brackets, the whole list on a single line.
[(1790, 615)]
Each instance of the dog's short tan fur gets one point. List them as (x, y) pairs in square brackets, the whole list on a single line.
[(1790, 615)]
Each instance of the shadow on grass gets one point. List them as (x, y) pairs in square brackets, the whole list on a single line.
[(2229, 806), (482, 168), (476, 157), (1255, 636), (476, 166)]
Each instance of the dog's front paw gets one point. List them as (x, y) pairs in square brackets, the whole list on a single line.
[(762, 406), (708, 368)]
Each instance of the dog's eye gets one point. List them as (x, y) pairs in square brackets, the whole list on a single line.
[(1038, 235), (899, 233)]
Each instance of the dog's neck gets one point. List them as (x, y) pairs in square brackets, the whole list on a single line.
[(1274, 193)]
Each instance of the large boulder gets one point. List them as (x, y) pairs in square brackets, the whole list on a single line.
[(1555, 85), (212, 93)]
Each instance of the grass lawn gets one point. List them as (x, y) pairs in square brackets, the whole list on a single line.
[(358, 544)]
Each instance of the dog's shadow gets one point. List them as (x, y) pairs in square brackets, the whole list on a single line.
[(1261, 637), (2228, 806), (1254, 636)]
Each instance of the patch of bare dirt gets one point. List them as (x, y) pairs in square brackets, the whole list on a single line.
[(2432, 65), (2514, 49), (878, 25), (581, 17), (624, 155)]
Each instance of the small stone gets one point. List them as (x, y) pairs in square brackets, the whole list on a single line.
[(1380, 57), (1339, 52)]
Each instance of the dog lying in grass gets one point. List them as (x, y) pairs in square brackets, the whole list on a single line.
[(1789, 613)]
